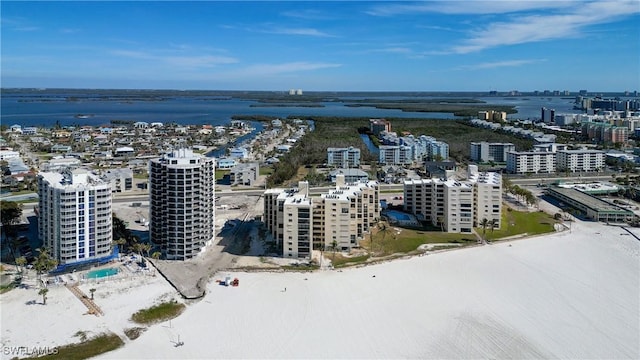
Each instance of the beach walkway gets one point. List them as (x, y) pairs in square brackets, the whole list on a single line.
[(93, 308)]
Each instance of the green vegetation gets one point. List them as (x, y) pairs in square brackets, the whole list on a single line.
[(6, 288), (221, 173), (266, 170), (301, 267), (345, 132), (87, 349), (458, 107), (522, 222), (135, 332), (141, 175), (158, 313), (389, 240), (343, 261)]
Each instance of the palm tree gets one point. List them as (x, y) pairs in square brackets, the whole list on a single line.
[(484, 224), (121, 241), (492, 224), (385, 230), (44, 262), (334, 247), (440, 221), (92, 290), (10, 213), (156, 255), (43, 292)]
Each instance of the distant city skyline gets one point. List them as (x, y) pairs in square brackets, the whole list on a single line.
[(323, 46)]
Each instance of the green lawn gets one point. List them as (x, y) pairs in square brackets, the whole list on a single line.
[(396, 240), (221, 173), (266, 170), (399, 240), (517, 222)]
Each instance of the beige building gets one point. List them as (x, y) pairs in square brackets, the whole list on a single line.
[(288, 216), (455, 206), (299, 222)]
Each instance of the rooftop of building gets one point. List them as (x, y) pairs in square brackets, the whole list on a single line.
[(587, 200)]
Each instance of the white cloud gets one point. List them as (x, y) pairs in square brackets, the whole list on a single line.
[(499, 64), (191, 61), (200, 61), (308, 14), (467, 7), (290, 67), (394, 50), (533, 28), (298, 31)]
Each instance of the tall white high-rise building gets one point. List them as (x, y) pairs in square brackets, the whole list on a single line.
[(75, 216), (182, 203)]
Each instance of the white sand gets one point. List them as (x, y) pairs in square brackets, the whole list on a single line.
[(569, 295), (27, 322)]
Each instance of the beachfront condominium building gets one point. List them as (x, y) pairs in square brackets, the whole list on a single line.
[(455, 206), (445, 203), (343, 157), (486, 151), (580, 160), (346, 213), (288, 215), (299, 223), (182, 203), (395, 155), (487, 196), (75, 216), (531, 162)]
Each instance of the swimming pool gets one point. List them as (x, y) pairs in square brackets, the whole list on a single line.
[(397, 215), (95, 274), (401, 218)]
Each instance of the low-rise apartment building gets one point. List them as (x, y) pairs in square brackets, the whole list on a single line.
[(343, 157), (531, 162), (580, 160), (395, 155), (486, 151)]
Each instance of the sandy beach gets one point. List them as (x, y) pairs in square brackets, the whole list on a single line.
[(566, 295)]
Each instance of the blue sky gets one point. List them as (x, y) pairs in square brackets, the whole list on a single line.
[(323, 46)]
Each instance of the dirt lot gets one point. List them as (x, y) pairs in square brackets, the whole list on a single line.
[(237, 244)]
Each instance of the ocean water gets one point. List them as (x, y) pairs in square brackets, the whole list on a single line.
[(46, 108)]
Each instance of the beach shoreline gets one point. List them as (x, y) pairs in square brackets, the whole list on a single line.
[(568, 294)]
